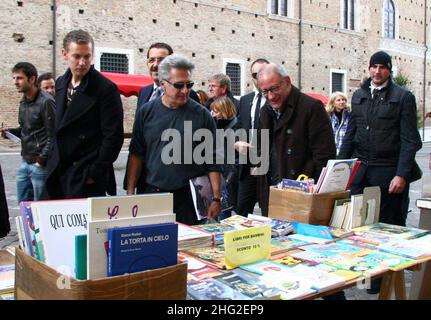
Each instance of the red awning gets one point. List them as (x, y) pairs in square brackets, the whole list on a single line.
[(129, 84), (318, 96)]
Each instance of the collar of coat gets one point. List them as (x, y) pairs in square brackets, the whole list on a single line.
[(84, 82), (367, 83)]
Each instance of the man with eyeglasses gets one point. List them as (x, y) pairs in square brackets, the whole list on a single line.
[(219, 85), (155, 55), (301, 138), (248, 118), (164, 128)]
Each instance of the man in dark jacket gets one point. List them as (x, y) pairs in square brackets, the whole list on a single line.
[(300, 133), (383, 135), (89, 126), (36, 119)]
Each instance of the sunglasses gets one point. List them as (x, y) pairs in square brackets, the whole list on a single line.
[(254, 75), (180, 85)]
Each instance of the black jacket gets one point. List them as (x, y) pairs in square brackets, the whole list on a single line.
[(382, 131), (88, 137), (36, 127)]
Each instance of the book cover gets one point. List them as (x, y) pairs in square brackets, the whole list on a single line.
[(213, 256), (59, 221), (290, 286), (216, 229), (337, 175), (280, 228), (264, 266), (212, 289), (27, 226), (21, 236), (7, 278), (81, 257), (288, 260), (250, 286), (288, 243), (393, 230), (202, 195), (205, 272), (313, 231), (97, 241), (131, 206), (140, 248)]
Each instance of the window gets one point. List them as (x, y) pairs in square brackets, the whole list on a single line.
[(338, 80), (114, 60), (389, 19), (281, 8), (348, 14), (235, 70)]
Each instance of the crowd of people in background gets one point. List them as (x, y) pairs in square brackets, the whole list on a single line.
[(71, 132)]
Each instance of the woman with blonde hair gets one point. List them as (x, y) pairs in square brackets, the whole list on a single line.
[(339, 114), (224, 113)]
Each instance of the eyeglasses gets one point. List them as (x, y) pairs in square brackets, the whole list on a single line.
[(154, 59), (180, 85), (254, 75), (273, 89)]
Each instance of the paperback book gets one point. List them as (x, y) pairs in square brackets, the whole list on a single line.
[(140, 248)]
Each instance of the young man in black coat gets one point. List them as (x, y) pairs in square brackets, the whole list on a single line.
[(89, 126)]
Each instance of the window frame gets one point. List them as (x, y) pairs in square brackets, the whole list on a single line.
[(396, 24), (98, 51), (242, 67), (289, 6), (343, 14), (344, 82)]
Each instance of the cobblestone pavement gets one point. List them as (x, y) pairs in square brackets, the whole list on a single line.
[(10, 160)]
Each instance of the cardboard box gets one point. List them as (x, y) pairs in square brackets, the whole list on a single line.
[(304, 207), (36, 281)]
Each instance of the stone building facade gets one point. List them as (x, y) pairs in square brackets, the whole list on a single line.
[(324, 45)]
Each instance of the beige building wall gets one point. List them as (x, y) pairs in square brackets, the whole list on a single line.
[(210, 32)]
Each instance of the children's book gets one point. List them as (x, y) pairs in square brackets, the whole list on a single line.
[(28, 227), (140, 248), (406, 248), (280, 228), (286, 243), (59, 221), (393, 230), (264, 266), (7, 278), (214, 256), (334, 248), (310, 230), (216, 229), (288, 260), (205, 272), (337, 175), (97, 241), (248, 285), (291, 287), (212, 289)]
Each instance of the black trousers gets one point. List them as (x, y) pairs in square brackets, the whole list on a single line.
[(183, 204), (4, 211), (247, 194), (392, 206)]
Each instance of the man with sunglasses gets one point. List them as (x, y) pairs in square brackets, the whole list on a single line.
[(301, 138), (162, 127), (155, 55), (248, 118)]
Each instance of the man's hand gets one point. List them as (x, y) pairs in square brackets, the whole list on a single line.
[(397, 185), (3, 132), (214, 210), (242, 146)]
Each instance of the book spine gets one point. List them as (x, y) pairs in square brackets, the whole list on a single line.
[(111, 248)]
